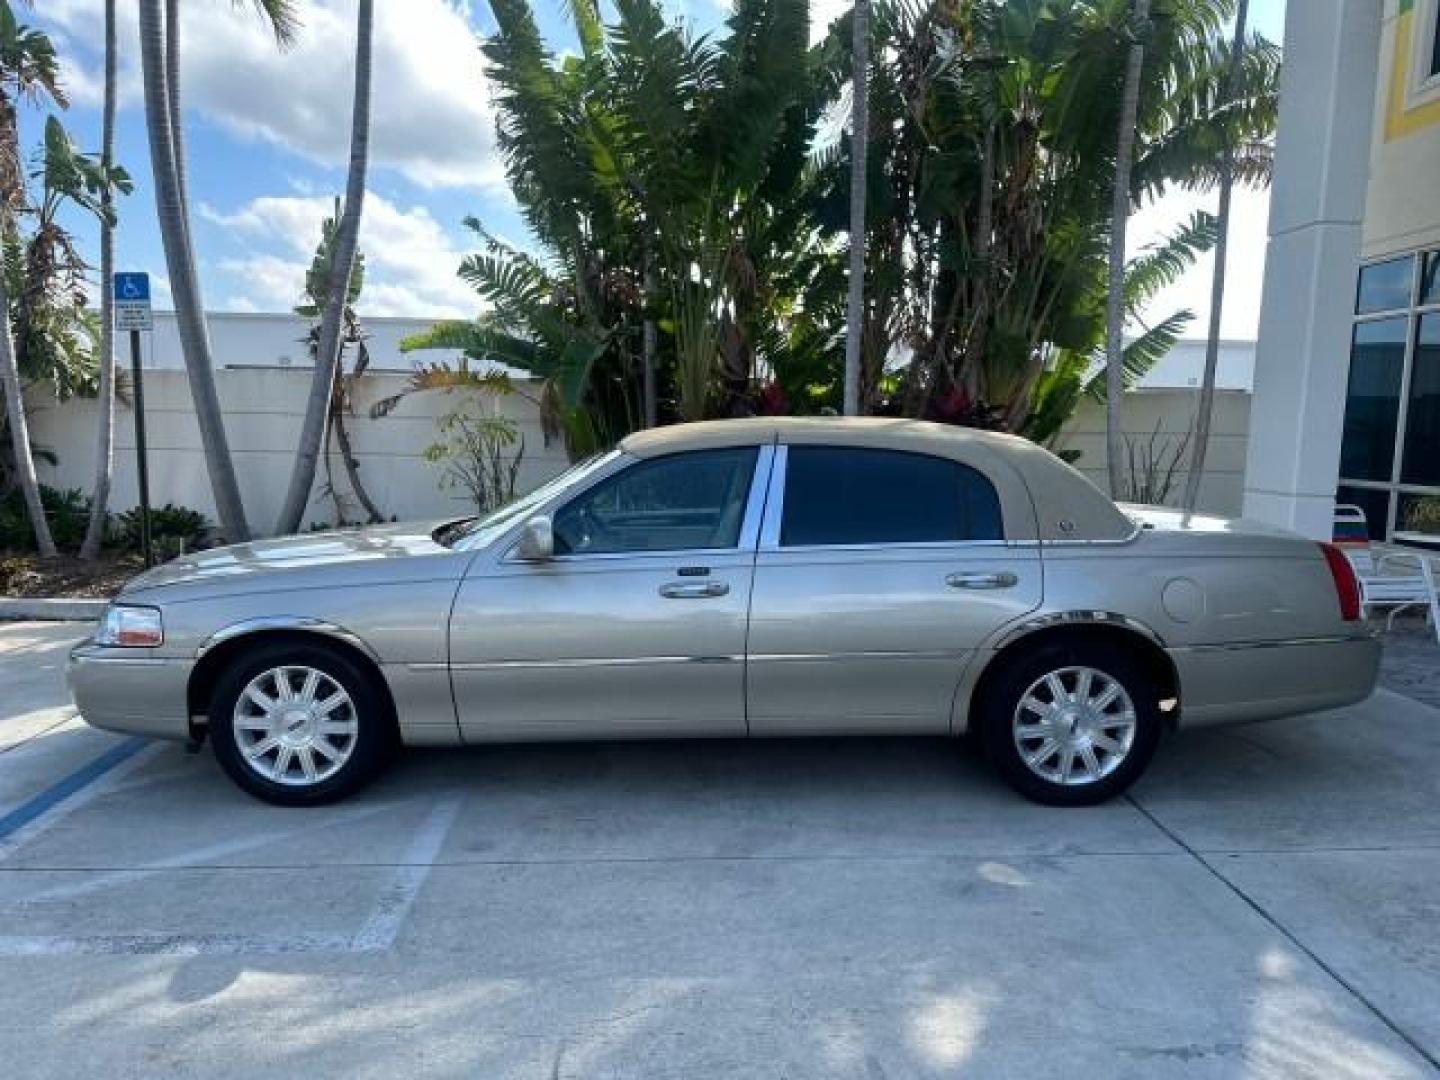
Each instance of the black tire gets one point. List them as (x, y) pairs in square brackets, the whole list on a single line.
[(367, 751), (1001, 701)]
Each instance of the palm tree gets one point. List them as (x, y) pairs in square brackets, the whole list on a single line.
[(28, 69), (159, 55), (312, 304), (1119, 220), (105, 429), (859, 139), (347, 240), (55, 337), (1206, 409)]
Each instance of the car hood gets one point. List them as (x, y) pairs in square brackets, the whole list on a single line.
[(407, 540)]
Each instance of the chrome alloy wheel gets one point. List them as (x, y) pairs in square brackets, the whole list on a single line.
[(1074, 726), (295, 725)]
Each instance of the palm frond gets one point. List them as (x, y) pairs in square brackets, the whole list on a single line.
[(1163, 263), (281, 16)]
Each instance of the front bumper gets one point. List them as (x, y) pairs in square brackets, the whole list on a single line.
[(117, 690), (1259, 681)]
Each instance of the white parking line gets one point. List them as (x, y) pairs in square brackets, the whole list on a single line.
[(171, 944), (196, 858), (377, 934), (383, 926)]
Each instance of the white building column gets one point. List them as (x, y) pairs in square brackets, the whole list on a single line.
[(1322, 163)]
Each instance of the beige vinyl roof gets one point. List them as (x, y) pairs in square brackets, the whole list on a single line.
[(1040, 496)]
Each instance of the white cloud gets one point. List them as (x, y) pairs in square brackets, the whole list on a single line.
[(431, 114), (410, 261)]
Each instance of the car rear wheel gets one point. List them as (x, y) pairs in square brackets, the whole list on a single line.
[(1071, 725), (300, 724)]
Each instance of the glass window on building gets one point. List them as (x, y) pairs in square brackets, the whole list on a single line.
[(1374, 501), (1372, 400), (1422, 411), (1390, 446), (1430, 279), (1435, 50), (1385, 286)]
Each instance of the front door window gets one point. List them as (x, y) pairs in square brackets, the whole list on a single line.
[(682, 502)]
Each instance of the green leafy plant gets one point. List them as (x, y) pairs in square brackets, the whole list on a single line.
[(1153, 466), (479, 454), (174, 530), (67, 512), (1423, 515)]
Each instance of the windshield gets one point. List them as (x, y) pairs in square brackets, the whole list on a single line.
[(472, 533)]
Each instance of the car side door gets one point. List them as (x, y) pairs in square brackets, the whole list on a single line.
[(636, 625), (879, 573)]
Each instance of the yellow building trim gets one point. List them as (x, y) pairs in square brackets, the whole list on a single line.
[(1400, 121)]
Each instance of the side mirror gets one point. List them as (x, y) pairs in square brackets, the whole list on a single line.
[(537, 540)]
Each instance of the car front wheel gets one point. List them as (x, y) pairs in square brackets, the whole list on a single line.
[(300, 724), (1071, 725)]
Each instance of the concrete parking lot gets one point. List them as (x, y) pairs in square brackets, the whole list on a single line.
[(1266, 905)]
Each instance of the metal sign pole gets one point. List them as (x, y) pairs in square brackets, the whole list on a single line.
[(142, 469), (131, 295)]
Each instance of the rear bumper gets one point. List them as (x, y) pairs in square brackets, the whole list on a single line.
[(142, 695), (1222, 684)]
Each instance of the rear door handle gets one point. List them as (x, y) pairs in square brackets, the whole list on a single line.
[(982, 579), (693, 590)]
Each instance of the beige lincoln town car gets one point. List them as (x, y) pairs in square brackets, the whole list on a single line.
[(746, 577)]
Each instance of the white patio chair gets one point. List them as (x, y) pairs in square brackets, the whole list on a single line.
[(1390, 577)]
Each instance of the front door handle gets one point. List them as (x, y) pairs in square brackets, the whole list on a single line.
[(982, 579), (693, 590)]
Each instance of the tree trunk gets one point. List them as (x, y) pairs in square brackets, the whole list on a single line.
[(20, 433), (184, 281), (12, 199), (173, 114), (1205, 412), (342, 404), (648, 340), (352, 466), (347, 239), (859, 140), (105, 432), (1119, 220)]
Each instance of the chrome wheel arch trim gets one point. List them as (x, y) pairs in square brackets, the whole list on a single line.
[(985, 656), (270, 623), (1052, 619)]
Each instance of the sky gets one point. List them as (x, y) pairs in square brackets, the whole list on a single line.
[(268, 140)]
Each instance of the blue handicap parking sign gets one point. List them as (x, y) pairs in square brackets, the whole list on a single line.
[(132, 288)]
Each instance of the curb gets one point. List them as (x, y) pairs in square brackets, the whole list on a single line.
[(46, 609)]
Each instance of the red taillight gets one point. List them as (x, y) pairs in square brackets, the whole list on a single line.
[(1347, 586)]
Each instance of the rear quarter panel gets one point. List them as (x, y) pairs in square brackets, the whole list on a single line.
[(1202, 589), (1251, 622)]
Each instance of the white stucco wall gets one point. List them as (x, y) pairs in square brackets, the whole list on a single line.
[(263, 410), (1183, 367), (1402, 206), (1222, 486)]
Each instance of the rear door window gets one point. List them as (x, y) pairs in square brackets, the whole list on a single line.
[(847, 495)]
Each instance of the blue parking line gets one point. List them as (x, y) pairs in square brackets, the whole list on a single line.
[(61, 790)]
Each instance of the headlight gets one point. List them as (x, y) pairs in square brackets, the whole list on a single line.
[(130, 626)]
